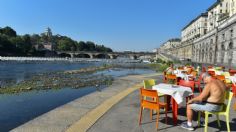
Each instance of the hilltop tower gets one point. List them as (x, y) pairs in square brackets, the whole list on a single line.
[(48, 44)]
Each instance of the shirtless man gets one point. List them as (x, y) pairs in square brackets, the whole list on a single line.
[(211, 99)]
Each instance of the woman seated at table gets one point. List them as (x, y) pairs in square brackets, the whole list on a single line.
[(211, 99), (170, 69)]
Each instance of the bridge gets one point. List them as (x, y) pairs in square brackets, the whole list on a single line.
[(103, 55)]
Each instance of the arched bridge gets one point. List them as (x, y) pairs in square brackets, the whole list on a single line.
[(103, 55)]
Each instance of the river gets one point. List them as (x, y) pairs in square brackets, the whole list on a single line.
[(16, 109)]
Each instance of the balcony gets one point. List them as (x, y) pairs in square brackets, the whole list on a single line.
[(223, 16)]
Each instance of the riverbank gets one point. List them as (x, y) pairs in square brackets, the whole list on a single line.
[(83, 77), (60, 119)]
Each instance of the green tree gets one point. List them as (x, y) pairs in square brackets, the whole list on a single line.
[(66, 45), (90, 46), (8, 31)]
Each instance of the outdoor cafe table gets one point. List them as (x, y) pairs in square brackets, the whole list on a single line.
[(178, 94), (181, 75), (231, 78)]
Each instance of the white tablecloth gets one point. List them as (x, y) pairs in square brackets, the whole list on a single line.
[(179, 73), (179, 93), (231, 78)]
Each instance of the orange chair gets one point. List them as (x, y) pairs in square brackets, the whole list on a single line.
[(198, 83), (171, 77), (153, 104)]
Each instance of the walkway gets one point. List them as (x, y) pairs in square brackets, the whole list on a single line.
[(123, 117)]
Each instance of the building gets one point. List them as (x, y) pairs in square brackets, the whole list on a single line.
[(218, 45), (47, 41), (169, 46), (210, 37)]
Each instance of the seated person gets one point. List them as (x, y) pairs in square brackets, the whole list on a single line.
[(211, 99), (170, 69)]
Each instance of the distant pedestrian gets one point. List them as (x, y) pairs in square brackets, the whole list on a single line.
[(170, 69)]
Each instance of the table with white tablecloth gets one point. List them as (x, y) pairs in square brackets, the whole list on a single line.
[(178, 94)]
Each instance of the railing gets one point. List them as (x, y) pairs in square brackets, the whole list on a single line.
[(223, 16)]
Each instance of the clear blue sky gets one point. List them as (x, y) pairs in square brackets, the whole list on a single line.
[(136, 25)]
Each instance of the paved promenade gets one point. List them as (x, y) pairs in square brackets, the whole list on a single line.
[(112, 111), (124, 116)]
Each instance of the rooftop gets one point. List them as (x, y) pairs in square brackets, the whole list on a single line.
[(201, 15)]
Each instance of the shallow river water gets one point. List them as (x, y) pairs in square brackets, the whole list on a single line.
[(16, 109)]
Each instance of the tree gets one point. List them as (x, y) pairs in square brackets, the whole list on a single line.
[(8, 31), (90, 46), (27, 46), (35, 39), (66, 45), (81, 46)]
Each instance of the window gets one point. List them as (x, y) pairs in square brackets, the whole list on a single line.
[(211, 42), (231, 33), (205, 31), (223, 36)]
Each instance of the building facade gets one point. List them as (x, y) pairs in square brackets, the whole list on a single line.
[(169, 46), (210, 38)]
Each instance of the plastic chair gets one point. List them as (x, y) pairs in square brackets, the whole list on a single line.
[(225, 112), (226, 74), (147, 84), (171, 77), (198, 83), (234, 89), (232, 72), (187, 84), (151, 104)]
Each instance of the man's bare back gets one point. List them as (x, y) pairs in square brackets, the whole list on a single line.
[(216, 91)]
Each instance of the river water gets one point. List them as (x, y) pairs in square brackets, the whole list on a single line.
[(16, 109)]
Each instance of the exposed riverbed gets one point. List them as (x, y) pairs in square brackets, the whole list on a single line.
[(19, 108)]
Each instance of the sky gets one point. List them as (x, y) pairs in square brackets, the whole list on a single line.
[(134, 25)]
